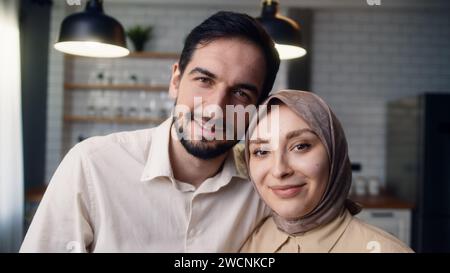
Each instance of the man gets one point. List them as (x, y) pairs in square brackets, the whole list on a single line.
[(170, 188)]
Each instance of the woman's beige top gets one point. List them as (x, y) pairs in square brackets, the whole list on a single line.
[(344, 234)]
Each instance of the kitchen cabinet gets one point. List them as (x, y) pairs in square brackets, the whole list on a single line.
[(387, 212), (395, 221)]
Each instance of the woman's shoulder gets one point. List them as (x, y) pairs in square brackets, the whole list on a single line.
[(369, 238), (265, 238)]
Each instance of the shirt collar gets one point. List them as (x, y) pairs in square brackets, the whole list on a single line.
[(228, 171), (321, 239), (158, 161)]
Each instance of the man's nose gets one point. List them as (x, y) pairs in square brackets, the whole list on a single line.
[(215, 104), (219, 97)]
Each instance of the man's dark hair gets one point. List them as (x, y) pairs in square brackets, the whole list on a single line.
[(226, 24)]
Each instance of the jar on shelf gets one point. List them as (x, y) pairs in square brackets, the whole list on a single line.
[(374, 186), (360, 186)]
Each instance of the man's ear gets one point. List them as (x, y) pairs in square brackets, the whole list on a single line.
[(174, 81)]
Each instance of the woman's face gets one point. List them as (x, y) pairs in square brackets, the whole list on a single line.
[(289, 164)]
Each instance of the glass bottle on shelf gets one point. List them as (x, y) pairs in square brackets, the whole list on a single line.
[(94, 100), (145, 110), (91, 109), (360, 186), (104, 99), (91, 95), (117, 110), (373, 186), (166, 105), (133, 79), (132, 110), (117, 98), (153, 105), (105, 104)]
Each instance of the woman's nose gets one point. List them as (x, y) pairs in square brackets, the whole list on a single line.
[(281, 168)]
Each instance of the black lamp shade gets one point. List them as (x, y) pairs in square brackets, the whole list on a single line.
[(92, 33), (284, 31)]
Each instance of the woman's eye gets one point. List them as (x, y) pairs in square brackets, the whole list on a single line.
[(259, 153), (302, 146)]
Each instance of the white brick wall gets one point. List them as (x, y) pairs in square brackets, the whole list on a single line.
[(364, 58), (171, 25), (55, 94)]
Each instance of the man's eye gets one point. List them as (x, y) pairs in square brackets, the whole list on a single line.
[(241, 94), (204, 80)]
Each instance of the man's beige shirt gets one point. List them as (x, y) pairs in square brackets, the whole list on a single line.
[(117, 193)]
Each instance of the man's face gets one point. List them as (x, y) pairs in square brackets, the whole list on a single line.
[(220, 73)]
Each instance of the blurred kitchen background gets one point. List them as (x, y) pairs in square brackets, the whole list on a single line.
[(383, 66)]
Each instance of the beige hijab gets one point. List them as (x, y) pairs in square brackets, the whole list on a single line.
[(324, 123)]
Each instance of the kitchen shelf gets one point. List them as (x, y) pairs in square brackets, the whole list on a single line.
[(121, 87), (118, 120)]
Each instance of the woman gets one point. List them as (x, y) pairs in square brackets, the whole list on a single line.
[(297, 158)]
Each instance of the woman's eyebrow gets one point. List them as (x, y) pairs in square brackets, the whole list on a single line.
[(297, 133)]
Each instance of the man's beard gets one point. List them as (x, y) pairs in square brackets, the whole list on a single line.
[(203, 149)]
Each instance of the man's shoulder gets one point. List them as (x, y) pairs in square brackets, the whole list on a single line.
[(136, 141)]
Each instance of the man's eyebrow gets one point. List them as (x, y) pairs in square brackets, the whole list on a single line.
[(203, 71), (299, 132), (258, 141)]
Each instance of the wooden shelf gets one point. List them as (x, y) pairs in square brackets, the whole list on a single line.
[(142, 55), (121, 87), (119, 120)]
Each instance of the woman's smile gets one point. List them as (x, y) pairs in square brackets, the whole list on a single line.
[(287, 191)]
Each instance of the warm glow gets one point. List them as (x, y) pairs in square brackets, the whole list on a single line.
[(92, 49), (287, 52)]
